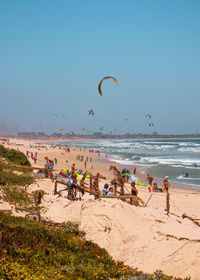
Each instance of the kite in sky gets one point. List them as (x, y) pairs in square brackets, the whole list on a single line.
[(105, 78)]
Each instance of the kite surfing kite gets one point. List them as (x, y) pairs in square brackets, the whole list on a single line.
[(148, 116), (106, 78), (151, 124), (91, 112)]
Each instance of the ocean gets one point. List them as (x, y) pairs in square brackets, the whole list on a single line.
[(173, 158)]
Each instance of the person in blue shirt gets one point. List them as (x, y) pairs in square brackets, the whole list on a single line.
[(105, 190)]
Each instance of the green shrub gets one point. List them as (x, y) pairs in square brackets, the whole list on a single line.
[(15, 194), (14, 156), (12, 179), (31, 251)]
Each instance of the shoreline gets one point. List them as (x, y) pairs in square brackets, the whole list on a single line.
[(143, 168)]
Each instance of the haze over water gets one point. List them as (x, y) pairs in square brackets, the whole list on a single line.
[(171, 158)]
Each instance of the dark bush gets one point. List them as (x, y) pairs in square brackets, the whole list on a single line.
[(14, 156)]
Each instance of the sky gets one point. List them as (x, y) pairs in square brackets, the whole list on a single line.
[(53, 55)]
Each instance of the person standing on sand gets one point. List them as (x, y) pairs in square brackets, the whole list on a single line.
[(149, 179), (166, 184), (73, 168)]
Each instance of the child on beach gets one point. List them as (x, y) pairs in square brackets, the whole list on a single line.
[(155, 188), (110, 192)]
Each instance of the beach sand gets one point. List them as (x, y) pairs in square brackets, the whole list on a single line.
[(143, 237)]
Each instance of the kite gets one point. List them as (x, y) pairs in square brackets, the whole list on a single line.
[(148, 116), (62, 129), (151, 124), (105, 78), (91, 112)]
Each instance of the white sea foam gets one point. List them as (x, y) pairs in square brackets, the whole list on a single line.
[(170, 161), (189, 149), (187, 178), (188, 167)]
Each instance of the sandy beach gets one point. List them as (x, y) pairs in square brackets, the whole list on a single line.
[(143, 237)]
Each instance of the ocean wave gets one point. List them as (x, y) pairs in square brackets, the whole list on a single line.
[(123, 161), (169, 161), (189, 149), (133, 145), (188, 167), (161, 142), (186, 178)]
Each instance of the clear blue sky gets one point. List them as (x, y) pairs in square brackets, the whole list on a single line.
[(54, 53)]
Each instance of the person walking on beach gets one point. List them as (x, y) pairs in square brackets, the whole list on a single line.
[(166, 184), (149, 179)]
